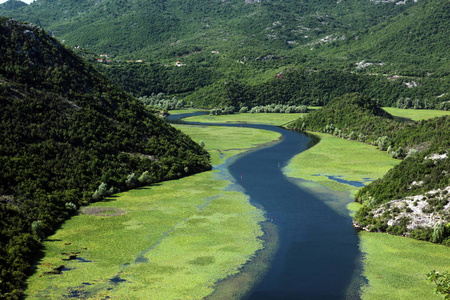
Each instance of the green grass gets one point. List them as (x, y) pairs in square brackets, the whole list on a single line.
[(184, 111), (173, 240), (277, 119), (416, 114), (224, 142), (396, 267), (333, 156)]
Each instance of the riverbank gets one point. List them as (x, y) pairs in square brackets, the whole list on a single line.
[(395, 267), (173, 240)]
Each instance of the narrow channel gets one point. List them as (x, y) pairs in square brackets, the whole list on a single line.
[(318, 255)]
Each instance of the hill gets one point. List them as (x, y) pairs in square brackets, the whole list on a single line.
[(386, 46), (353, 116), (180, 27), (12, 5), (68, 137), (415, 39)]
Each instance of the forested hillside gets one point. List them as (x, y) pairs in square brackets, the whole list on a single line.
[(12, 5), (235, 52), (178, 27), (68, 137), (415, 39), (424, 172)]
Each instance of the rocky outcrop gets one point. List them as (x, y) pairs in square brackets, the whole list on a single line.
[(414, 212)]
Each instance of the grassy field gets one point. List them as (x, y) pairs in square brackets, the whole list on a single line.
[(224, 142), (332, 156), (395, 267), (276, 119), (416, 114), (173, 240), (184, 111)]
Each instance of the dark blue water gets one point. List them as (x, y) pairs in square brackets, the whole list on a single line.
[(318, 253)]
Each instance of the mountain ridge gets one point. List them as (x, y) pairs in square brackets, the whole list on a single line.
[(69, 137), (249, 41)]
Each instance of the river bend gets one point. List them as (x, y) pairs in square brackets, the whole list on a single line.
[(318, 255)]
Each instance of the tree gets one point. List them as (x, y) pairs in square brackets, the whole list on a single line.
[(144, 178), (37, 230), (131, 180), (438, 232), (101, 191)]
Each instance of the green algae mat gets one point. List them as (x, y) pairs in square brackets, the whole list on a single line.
[(173, 240), (344, 160)]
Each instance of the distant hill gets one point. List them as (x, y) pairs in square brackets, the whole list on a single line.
[(399, 48), (69, 137), (353, 116), (414, 42), (173, 28), (12, 5)]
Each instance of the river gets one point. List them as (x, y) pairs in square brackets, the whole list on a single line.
[(318, 255)]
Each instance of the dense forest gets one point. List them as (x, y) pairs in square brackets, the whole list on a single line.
[(205, 87), (68, 137), (251, 53), (423, 146)]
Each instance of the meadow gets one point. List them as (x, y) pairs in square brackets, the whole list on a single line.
[(396, 266), (224, 142), (341, 159), (276, 119), (416, 114), (173, 240)]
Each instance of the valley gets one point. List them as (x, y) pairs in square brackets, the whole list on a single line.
[(325, 118), (372, 281)]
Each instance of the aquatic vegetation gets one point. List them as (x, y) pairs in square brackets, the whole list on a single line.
[(335, 158)]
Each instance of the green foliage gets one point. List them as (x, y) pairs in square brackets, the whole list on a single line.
[(162, 102), (352, 116), (442, 281), (438, 232), (65, 132), (37, 230), (150, 80), (145, 177), (101, 192), (12, 5), (278, 108), (131, 180)]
